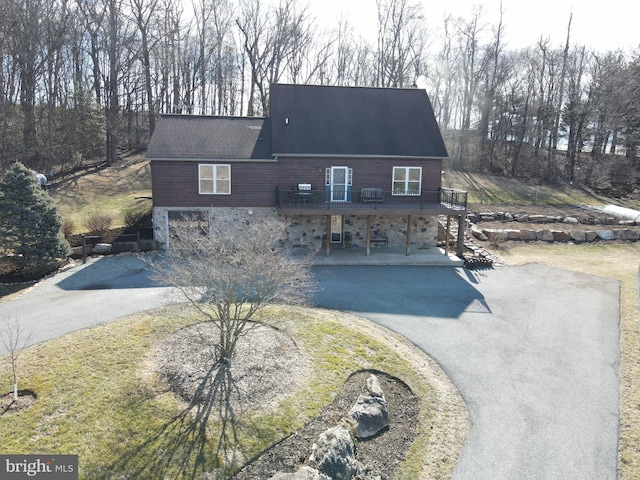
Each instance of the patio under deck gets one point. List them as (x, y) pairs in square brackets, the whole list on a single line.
[(373, 201)]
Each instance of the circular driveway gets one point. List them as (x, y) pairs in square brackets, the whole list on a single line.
[(102, 290), (533, 350)]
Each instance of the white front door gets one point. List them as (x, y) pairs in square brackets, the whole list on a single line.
[(336, 228), (339, 182)]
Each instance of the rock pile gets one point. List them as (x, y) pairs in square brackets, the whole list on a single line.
[(333, 455)]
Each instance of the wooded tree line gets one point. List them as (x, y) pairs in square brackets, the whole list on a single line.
[(81, 79)]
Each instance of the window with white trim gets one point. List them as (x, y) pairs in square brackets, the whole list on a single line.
[(407, 180), (214, 179)]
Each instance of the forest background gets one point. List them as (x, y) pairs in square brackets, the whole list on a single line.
[(82, 81)]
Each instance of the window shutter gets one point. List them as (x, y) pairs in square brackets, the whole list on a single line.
[(327, 176)]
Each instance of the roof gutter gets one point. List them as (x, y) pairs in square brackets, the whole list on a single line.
[(234, 160), (347, 155)]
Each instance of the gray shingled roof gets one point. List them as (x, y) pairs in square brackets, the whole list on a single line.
[(202, 137), (311, 119)]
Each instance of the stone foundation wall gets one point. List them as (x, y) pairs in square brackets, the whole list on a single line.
[(162, 215), (309, 230)]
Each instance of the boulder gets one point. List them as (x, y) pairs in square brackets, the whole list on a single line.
[(560, 236), (537, 218), (371, 415), (102, 248), (334, 454), (606, 234), (514, 234), (570, 220), (495, 235), (305, 473), (522, 217), (591, 236), (477, 233), (578, 235), (627, 234), (528, 235), (473, 218), (553, 219), (373, 386), (544, 235)]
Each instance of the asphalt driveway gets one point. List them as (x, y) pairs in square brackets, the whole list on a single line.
[(104, 289), (533, 350)]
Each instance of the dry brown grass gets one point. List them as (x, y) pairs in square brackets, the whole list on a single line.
[(619, 261), (113, 191)]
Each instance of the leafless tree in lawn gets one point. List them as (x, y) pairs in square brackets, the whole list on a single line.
[(14, 338), (230, 270), (227, 271)]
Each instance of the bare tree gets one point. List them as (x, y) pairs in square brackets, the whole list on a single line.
[(576, 109), (14, 339), (401, 41), (555, 126), (228, 271), (491, 83), (143, 12)]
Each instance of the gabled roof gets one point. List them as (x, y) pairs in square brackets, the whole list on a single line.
[(326, 120), (193, 137), (309, 120)]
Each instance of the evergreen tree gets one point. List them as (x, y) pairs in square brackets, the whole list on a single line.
[(30, 227)]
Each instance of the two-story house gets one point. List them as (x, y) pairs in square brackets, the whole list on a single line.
[(345, 166)]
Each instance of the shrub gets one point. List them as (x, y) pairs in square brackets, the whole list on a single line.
[(134, 216), (30, 227), (99, 224), (67, 228)]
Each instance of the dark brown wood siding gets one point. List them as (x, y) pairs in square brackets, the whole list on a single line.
[(367, 172), (253, 184), (175, 184)]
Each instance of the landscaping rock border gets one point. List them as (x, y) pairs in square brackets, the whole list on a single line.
[(523, 228)]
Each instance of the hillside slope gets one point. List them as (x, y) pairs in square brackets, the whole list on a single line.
[(110, 190)]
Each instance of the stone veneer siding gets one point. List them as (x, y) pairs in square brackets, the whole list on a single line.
[(162, 215), (309, 230)]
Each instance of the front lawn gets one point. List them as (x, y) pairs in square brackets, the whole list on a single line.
[(100, 397)]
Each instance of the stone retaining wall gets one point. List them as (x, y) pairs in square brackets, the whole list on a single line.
[(586, 219), (548, 235), (523, 228)]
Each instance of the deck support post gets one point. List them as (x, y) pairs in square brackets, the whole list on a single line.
[(408, 250), (368, 236), (328, 241), (460, 244), (446, 235)]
